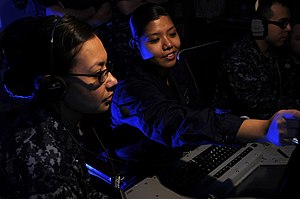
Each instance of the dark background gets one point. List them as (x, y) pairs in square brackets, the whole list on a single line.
[(220, 19)]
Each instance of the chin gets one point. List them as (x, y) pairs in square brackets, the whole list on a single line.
[(105, 107), (169, 64)]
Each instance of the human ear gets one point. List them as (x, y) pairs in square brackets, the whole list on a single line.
[(133, 44)]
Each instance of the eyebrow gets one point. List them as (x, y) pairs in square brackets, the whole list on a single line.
[(97, 64), (155, 34), (173, 27)]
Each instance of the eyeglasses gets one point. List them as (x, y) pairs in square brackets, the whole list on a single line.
[(101, 75), (283, 23)]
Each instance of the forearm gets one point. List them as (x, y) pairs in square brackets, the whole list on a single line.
[(252, 129), (157, 1), (79, 14), (127, 7), (55, 10), (102, 15)]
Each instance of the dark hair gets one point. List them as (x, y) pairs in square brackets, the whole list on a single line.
[(145, 13), (16, 55), (295, 7), (37, 56), (295, 19), (264, 7)]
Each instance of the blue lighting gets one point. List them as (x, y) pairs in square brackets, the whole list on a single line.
[(16, 96), (273, 134), (122, 184), (219, 111), (99, 174)]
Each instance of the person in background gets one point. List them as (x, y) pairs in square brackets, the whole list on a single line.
[(11, 10), (159, 98), (294, 41), (121, 52), (250, 80), (65, 77), (293, 56), (97, 13)]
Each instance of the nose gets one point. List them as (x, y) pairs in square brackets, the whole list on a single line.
[(167, 45), (111, 81), (289, 27)]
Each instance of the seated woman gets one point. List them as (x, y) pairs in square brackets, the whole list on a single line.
[(160, 99), (94, 12), (65, 77)]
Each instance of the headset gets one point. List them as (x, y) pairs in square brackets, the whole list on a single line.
[(52, 87), (259, 27)]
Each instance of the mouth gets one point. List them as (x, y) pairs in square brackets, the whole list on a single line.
[(107, 100), (170, 56), (284, 38)]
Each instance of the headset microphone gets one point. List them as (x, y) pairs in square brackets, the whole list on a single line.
[(124, 110)]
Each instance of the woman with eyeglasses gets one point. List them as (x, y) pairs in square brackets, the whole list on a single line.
[(159, 98), (252, 77), (61, 68)]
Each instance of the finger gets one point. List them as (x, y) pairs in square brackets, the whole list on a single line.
[(282, 125), (290, 114), (289, 141)]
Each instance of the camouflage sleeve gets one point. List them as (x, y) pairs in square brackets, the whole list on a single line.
[(41, 163)]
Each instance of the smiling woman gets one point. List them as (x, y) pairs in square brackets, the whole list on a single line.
[(162, 101), (40, 150)]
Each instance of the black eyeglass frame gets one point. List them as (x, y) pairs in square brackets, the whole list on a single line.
[(281, 23), (99, 75)]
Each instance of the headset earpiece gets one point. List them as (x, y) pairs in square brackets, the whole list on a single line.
[(259, 27), (52, 88)]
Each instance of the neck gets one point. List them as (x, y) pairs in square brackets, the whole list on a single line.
[(296, 60), (263, 46), (69, 115)]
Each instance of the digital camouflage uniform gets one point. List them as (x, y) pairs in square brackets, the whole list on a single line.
[(252, 84), (40, 159)]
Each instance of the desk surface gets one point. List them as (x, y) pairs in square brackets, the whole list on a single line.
[(262, 182)]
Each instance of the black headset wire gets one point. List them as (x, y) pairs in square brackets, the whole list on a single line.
[(187, 65), (51, 58), (117, 178)]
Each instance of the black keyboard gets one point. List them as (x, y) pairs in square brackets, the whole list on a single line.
[(188, 173)]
